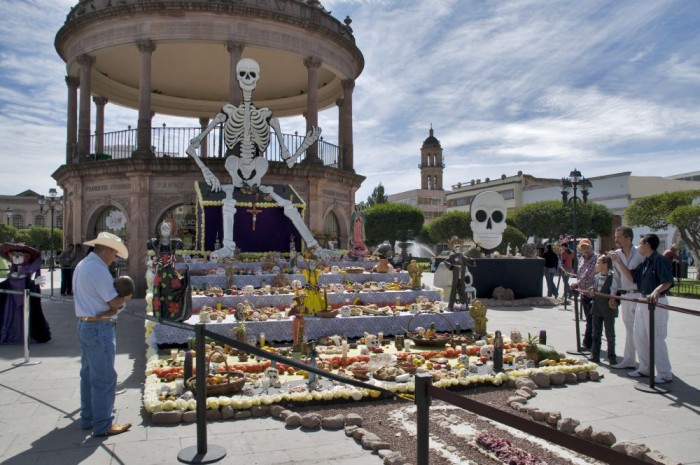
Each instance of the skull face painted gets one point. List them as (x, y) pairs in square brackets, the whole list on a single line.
[(248, 74), (488, 212)]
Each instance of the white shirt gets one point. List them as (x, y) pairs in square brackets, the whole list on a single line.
[(622, 282), (93, 286)]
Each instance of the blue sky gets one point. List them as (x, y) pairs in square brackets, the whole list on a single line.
[(538, 86)]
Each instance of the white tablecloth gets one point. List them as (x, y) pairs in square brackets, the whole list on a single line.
[(353, 327), (240, 280), (334, 298)]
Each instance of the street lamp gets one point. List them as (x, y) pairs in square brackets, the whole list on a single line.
[(573, 182), (8, 215), (53, 203)]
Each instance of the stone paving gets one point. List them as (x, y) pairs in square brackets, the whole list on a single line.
[(40, 403)]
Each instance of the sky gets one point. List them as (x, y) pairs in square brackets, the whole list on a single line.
[(539, 86)]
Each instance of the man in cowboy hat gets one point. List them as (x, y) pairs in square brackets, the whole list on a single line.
[(96, 306)]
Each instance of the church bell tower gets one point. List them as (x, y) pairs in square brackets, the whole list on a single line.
[(431, 164)]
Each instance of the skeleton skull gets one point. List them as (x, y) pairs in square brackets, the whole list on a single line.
[(248, 74), (487, 351), (488, 212)]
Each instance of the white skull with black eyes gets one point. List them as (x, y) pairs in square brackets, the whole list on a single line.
[(247, 73), (488, 212)]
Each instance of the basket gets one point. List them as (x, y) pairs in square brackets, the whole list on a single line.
[(327, 313), (418, 340), (234, 380)]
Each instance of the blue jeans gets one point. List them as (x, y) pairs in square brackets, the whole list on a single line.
[(98, 379), (551, 287)]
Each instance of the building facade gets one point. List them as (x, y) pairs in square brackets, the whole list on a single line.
[(179, 57)]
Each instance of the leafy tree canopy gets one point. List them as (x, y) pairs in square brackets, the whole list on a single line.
[(377, 197), (392, 222), (660, 211), (551, 218), (455, 223), (7, 233)]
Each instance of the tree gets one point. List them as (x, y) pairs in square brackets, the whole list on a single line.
[(512, 236), (392, 222), (40, 238), (7, 233), (450, 224), (550, 219), (671, 208), (377, 197)]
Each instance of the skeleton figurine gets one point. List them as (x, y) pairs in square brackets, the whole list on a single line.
[(248, 128)]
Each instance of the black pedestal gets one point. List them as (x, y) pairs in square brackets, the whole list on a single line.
[(522, 275)]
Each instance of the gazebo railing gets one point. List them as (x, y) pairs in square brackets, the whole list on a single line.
[(172, 142)]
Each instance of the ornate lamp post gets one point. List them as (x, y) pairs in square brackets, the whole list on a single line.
[(574, 181), (8, 215), (53, 203)]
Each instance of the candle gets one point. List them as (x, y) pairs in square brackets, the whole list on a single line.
[(380, 336), (179, 385), (173, 354), (344, 349), (262, 339)]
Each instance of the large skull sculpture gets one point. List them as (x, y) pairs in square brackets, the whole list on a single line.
[(488, 211), (247, 73)]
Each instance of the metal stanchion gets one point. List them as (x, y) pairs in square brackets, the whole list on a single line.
[(651, 387), (579, 349), (422, 400), (201, 453), (25, 311)]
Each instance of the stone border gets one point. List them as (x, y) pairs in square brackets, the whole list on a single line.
[(525, 389)]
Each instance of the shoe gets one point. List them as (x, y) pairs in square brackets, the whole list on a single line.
[(662, 380), (623, 364), (117, 429), (593, 359), (612, 360), (636, 374)]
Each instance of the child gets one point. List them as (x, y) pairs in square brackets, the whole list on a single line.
[(604, 309), (124, 285)]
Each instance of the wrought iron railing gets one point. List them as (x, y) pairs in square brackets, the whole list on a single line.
[(172, 143)]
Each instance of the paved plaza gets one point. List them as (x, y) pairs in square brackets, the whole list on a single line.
[(40, 403)]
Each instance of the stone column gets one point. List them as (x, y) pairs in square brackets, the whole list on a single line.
[(143, 147), (203, 147), (72, 120), (312, 64), (100, 103), (341, 134), (85, 62), (345, 121), (138, 229), (235, 50)]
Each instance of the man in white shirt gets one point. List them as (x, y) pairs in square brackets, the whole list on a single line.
[(631, 258), (97, 304)]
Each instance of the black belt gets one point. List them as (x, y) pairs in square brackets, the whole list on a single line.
[(623, 292), (95, 319)]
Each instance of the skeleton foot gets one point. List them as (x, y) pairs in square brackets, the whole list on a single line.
[(225, 252)]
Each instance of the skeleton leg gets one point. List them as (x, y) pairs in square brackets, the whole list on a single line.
[(227, 210), (292, 213)]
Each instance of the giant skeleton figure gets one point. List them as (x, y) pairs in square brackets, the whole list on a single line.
[(249, 127)]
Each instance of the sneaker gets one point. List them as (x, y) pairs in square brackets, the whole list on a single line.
[(623, 364), (662, 380), (636, 374)]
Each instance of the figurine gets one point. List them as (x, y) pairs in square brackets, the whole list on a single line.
[(314, 301), (478, 313), (457, 263), (415, 272)]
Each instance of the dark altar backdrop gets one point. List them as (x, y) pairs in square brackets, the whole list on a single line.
[(272, 228), (523, 275)]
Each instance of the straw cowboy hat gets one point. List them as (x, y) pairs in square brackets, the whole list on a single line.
[(112, 241)]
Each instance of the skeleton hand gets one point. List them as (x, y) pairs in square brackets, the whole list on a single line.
[(211, 180), (40, 280)]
